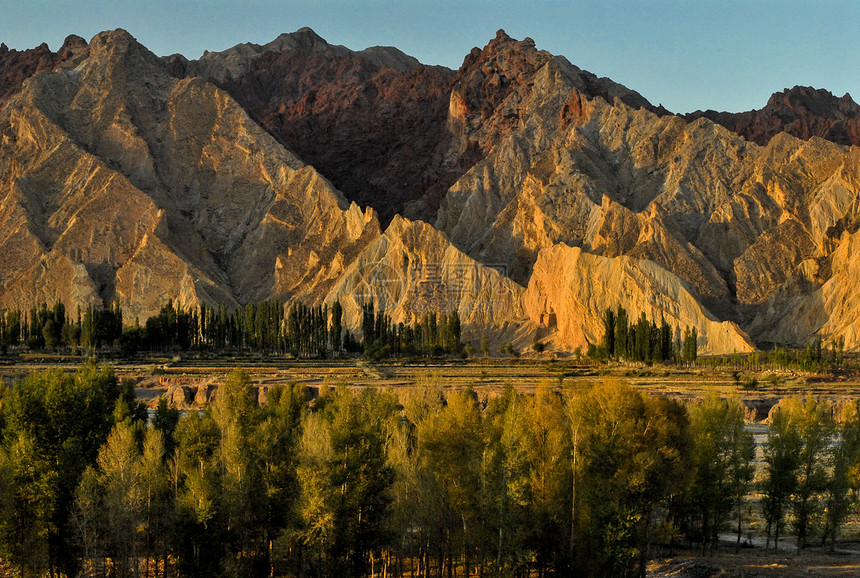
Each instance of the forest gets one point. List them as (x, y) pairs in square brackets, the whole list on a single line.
[(587, 480)]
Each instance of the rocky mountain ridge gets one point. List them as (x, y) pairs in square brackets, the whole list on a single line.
[(801, 111), (521, 191)]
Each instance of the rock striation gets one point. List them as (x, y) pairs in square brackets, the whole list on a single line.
[(570, 289), (372, 121), (17, 66), (731, 218), (119, 181), (412, 269)]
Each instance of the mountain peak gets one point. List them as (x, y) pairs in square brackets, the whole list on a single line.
[(118, 48), (389, 56), (17, 66), (802, 111), (116, 37), (495, 56), (815, 100)]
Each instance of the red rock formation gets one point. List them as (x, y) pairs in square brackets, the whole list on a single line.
[(802, 111), (17, 66), (394, 137)]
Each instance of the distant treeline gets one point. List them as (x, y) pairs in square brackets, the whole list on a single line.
[(589, 481), (266, 326)]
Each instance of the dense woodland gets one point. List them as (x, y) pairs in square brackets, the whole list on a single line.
[(587, 481)]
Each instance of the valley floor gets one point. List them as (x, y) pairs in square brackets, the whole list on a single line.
[(755, 562)]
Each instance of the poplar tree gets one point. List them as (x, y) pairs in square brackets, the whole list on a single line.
[(782, 458)]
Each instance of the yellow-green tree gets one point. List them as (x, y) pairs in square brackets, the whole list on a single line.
[(722, 457), (782, 465), (632, 456)]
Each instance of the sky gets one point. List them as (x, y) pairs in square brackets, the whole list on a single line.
[(684, 54)]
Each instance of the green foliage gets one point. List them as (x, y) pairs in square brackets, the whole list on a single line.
[(640, 341), (797, 456), (632, 454), (816, 427), (101, 326), (55, 425), (507, 348), (782, 464), (345, 482), (354, 481), (722, 456)]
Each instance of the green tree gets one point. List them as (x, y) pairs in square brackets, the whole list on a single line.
[(451, 446), (722, 456), (155, 496), (336, 326), (816, 428), (549, 470), (345, 481), (195, 535), (845, 460), (782, 458), (609, 322), (276, 442), (631, 456), (241, 496), (55, 423), (120, 478)]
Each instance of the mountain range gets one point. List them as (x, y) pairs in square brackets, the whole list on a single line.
[(523, 192)]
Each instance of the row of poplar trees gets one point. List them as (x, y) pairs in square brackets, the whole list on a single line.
[(643, 340), (586, 482), (52, 327), (264, 326)]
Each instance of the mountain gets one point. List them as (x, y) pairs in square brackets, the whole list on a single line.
[(801, 111), (372, 121), (17, 66), (521, 191), (119, 181), (145, 186)]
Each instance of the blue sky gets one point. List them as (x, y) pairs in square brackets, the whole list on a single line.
[(686, 54)]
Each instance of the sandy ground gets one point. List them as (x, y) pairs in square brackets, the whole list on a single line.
[(755, 562)]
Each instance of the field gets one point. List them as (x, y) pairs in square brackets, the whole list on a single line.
[(153, 376)]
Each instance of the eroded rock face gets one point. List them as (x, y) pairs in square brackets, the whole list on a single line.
[(816, 302), (801, 111), (121, 182), (389, 132), (412, 269), (570, 289), (730, 218), (372, 121)]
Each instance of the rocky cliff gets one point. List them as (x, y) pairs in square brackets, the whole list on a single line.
[(372, 121), (731, 218), (17, 66), (570, 289)]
